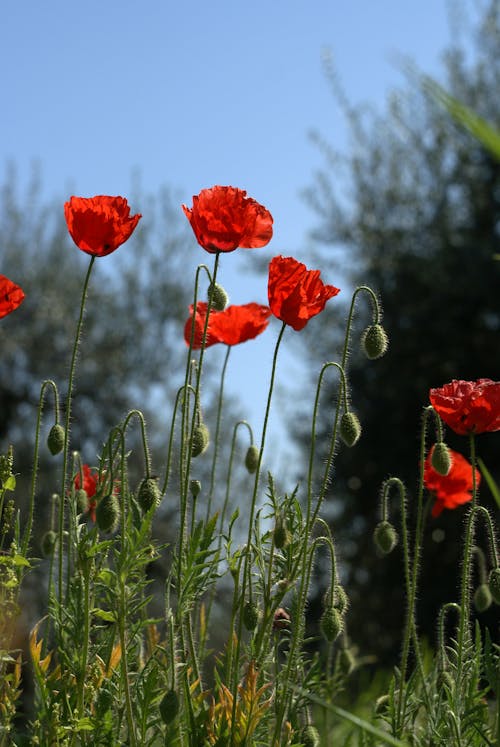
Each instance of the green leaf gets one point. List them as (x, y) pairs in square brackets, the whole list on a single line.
[(9, 483), (104, 615), (495, 491)]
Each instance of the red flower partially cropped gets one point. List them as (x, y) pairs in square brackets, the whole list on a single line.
[(11, 296), (296, 294), (224, 218), (100, 224), (453, 489), (468, 406), (90, 482), (233, 325)]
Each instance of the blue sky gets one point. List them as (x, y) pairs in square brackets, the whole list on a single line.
[(201, 93)]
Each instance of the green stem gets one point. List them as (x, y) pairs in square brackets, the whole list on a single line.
[(217, 432)]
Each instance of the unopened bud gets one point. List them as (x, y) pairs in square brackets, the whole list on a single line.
[(218, 296), (200, 441), (341, 600), (309, 736), (375, 341), (82, 501), (281, 533), (482, 598), (441, 458), (148, 494), (49, 541), (494, 584), (350, 428), (169, 706), (251, 615), (252, 459), (55, 439), (331, 624), (195, 488), (107, 513), (385, 537)]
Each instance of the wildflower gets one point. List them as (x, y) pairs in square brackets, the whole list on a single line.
[(99, 225), (232, 326), (468, 406), (89, 486), (224, 218), (453, 489), (11, 296), (296, 294)]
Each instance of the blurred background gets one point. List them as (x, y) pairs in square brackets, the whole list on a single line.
[(319, 112)]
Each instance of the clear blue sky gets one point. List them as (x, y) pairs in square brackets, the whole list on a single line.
[(200, 93)]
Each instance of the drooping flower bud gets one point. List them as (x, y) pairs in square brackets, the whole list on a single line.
[(341, 600), (55, 439), (385, 537), (218, 296), (107, 513), (482, 598), (148, 494), (309, 736), (331, 624), (195, 488), (494, 584), (350, 428), (169, 706), (441, 458), (49, 541), (374, 341), (82, 501), (252, 459), (201, 439), (251, 614), (281, 534)]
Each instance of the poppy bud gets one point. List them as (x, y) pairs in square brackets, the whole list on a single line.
[(82, 501), (441, 458), (49, 541), (55, 439), (169, 706), (385, 537), (251, 614), (494, 584), (252, 459), (482, 598), (148, 494), (331, 624), (281, 533), (195, 488), (350, 428), (200, 441), (107, 513), (310, 736), (218, 296), (374, 341), (341, 600)]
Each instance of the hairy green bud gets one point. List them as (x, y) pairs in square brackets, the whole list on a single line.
[(385, 537), (107, 513), (82, 501), (55, 439), (331, 624), (251, 614), (201, 439), (309, 736), (195, 488), (49, 542), (494, 584), (350, 428), (218, 295), (441, 458), (341, 600), (252, 459), (148, 494), (169, 706), (281, 534), (482, 598), (374, 341)]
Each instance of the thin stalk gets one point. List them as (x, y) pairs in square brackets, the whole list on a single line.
[(217, 432)]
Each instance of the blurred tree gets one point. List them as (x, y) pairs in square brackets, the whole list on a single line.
[(419, 223)]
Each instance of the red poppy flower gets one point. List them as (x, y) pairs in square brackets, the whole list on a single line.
[(233, 325), (11, 296), (90, 483), (468, 406), (296, 294), (224, 218), (100, 224), (453, 489)]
